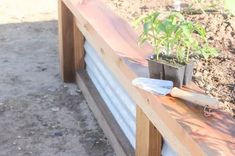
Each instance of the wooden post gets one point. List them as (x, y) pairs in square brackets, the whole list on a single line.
[(78, 47), (66, 43), (148, 139)]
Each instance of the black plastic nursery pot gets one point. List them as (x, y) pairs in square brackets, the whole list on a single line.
[(175, 74), (156, 69), (179, 74), (188, 73)]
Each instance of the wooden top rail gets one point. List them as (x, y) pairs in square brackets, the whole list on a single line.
[(181, 124)]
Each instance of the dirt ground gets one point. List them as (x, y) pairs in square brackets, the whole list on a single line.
[(39, 114), (217, 75)]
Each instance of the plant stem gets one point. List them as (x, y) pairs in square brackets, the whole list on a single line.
[(187, 55), (157, 51), (168, 48)]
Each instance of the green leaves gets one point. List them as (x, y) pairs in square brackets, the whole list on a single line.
[(207, 52), (173, 35), (199, 29)]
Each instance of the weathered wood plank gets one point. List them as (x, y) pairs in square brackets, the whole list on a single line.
[(78, 48), (66, 46), (107, 122), (148, 139)]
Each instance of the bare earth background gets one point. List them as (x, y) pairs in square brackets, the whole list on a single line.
[(39, 114)]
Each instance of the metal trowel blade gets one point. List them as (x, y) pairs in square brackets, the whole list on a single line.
[(155, 86)]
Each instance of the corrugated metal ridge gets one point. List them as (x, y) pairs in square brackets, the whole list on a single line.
[(116, 98)]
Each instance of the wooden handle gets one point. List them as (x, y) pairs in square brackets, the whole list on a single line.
[(195, 98)]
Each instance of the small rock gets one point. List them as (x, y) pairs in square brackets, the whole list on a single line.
[(79, 91), (43, 69), (51, 100), (144, 7), (208, 87), (53, 126), (29, 153), (200, 83), (207, 92), (19, 148), (45, 124), (32, 132), (55, 109), (58, 134), (19, 137), (51, 89)]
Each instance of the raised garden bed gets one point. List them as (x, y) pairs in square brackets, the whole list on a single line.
[(181, 124)]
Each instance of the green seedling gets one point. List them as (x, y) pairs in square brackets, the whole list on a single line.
[(174, 37)]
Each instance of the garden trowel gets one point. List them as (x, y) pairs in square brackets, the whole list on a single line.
[(164, 87)]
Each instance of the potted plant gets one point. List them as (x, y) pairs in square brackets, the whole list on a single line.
[(175, 41)]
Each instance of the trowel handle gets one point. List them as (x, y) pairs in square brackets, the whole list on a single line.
[(195, 98)]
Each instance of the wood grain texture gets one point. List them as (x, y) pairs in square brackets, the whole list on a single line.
[(181, 124), (66, 46), (148, 139), (104, 117), (78, 48), (197, 99)]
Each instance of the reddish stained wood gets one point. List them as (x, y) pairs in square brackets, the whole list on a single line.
[(192, 132), (148, 139), (215, 134), (122, 37), (78, 48), (66, 49)]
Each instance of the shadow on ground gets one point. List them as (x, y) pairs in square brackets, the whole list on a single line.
[(39, 114)]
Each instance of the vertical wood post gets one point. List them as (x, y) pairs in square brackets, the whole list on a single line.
[(148, 139), (78, 47), (66, 43)]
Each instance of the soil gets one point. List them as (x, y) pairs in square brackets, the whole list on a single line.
[(216, 75), (39, 114), (169, 60)]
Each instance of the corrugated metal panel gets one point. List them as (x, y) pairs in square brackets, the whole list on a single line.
[(116, 98)]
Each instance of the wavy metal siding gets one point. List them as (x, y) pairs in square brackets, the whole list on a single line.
[(116, 98)]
